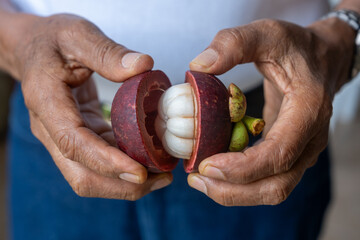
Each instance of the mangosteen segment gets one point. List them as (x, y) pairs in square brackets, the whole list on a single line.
[(175, 123), (193, 119)]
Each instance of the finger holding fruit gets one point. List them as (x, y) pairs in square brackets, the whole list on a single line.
[(53, 58), (302, 76)]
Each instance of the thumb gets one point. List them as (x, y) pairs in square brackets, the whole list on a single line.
[(90, 48), (232, 46)]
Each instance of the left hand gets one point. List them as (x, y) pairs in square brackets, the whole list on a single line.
[(303, 69)]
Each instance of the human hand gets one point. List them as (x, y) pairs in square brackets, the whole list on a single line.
[(54, 63), (303, 69)]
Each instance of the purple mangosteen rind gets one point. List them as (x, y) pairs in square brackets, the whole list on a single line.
[(128, 119), (214, 126)]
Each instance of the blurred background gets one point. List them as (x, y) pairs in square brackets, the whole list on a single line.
[(343, 216)]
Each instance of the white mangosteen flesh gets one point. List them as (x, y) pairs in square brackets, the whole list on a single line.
[(175, 123)]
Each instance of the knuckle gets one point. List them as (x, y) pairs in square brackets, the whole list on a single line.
[(105, 49), (81, 23), (76, 25), (230, 36), (284, 165), (275, 194), (312, 162), (272, 23), (320, 100), (129, 195), (72, 145), (225, 198), (240, 176), (279, 195), (229, 200), (275, 26), (232, 169), (66, 142), (113, 165), (134, 196), (286, 159), (81, 186), (71, 27), (81, 27)]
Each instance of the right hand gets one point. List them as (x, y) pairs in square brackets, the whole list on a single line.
[(55, 60)]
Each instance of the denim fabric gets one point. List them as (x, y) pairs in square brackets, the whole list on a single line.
[(42, 206)]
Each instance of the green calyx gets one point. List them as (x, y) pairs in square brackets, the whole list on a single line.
[(239, 138), (237, 103), (254, 125), (243, 124)]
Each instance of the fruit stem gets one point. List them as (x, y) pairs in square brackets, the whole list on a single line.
[(253, 125), (239, 138)]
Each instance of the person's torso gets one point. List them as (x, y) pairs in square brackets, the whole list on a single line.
[(174, 32)]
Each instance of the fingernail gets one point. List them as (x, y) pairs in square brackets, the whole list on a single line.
[(213, 172), (206, 58), (130, 59), (163, 182), (130, 177), (198, 184)]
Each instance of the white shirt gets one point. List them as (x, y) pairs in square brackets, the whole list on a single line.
[(173, 32)]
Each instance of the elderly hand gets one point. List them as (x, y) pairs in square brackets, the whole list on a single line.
[(54, 61), (303, 69)]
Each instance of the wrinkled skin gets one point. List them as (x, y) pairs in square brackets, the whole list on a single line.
[(303, 69), (54, 62)]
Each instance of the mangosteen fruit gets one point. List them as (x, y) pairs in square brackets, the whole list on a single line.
[(157, 124)]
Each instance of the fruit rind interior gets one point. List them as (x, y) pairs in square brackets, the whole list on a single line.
[(131, 117)]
